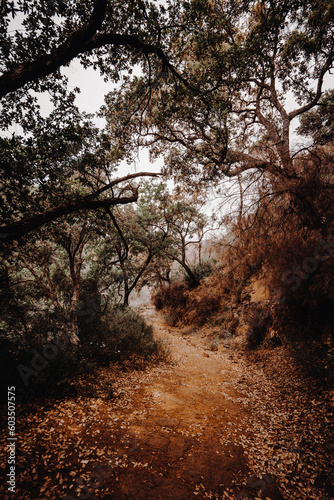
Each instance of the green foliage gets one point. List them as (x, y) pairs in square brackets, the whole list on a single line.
[(201, 270), (63, 159), (51, 34), (219, 111), (143, 241), (58, 164), (228, 116), (113, 334), (122, 333), (319, 123), (119, 335), (20, 352)]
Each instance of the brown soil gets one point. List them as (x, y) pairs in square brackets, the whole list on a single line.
[(180, 430)]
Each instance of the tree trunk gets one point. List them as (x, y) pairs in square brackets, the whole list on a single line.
[(193, 278), (127, 289), (126, 298)]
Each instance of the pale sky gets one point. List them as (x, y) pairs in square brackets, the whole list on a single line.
[(94, 88), (91, 98), (93, 91)]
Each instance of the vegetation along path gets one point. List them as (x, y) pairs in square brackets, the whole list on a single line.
[(202, 426)]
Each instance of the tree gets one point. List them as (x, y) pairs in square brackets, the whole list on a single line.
[(141, 242), (179, 218), (134, 241), (63, 166), (50, 269), (319, 123), (134, 247), (111, 36), (239, 60)]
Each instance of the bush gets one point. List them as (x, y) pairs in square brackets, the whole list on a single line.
[(189, 307), (37, 367), (203, 304), (173, 295), (119, 335)]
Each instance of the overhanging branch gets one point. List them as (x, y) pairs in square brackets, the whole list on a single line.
[(23, 73), (17, 229), (326, 67), (84, 40)]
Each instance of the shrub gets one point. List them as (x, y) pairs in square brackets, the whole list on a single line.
[(189, 307), (119, 335), (25, 365), (203, 304), (201, 270)]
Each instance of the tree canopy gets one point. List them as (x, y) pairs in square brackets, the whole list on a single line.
[(110, 36), (244, 63), (211, 98)]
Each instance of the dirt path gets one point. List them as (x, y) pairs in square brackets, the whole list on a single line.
[(195, 428), (186, 427), (165, 433), (182, 426)]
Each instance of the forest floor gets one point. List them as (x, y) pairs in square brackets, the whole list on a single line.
[(207, 424)]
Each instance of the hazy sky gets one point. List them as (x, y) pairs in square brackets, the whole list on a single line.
[(93, 89)]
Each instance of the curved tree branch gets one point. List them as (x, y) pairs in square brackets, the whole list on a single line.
[(84, 40), (327, 66), (17, 229), (114, 221), (23, 73)]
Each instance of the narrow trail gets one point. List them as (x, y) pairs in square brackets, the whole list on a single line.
[(167, 432), (185, 431)]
